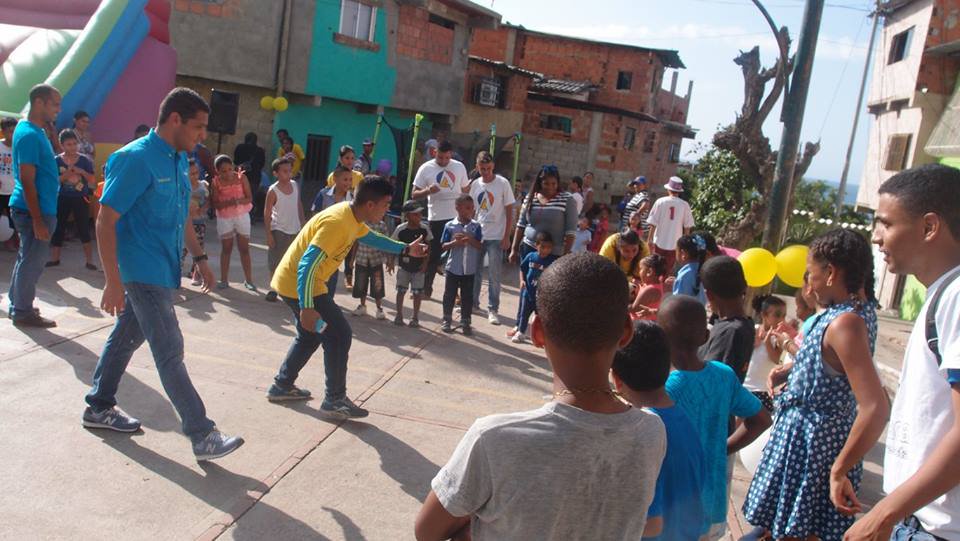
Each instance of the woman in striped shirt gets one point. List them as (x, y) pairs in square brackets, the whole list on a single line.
[(548, 209)]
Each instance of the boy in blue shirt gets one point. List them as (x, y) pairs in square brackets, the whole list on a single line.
[(462, 238), (531, 268), (639, 372), (709, 393)]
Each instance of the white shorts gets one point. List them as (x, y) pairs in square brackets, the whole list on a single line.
[(226, 227)]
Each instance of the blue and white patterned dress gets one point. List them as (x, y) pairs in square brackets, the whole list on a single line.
[(790, 492)]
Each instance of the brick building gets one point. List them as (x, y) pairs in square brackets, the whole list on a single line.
[(588, 105)]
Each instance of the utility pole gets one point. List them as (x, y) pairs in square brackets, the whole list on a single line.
[(856, 114), (793, 108)]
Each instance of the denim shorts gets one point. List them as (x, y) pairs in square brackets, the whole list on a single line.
[(412, 280)]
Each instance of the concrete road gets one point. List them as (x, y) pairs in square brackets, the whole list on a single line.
[(298, 476)]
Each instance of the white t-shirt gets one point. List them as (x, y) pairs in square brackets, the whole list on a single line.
[(670, 215), (6, 169), (491, 199), (923, 411), (451, 179), (555, 473), (578, 199), (759, 370)]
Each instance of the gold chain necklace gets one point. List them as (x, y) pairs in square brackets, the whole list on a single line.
[(574, 392)]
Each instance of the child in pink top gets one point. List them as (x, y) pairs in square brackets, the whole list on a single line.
[(653, 270), (232, 200)]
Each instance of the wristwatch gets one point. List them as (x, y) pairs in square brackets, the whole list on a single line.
[(199, 258)]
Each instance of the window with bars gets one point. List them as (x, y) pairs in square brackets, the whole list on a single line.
[(556, 122), (358, 20), (488, 92)]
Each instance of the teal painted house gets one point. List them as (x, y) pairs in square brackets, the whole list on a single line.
[(340, 64)]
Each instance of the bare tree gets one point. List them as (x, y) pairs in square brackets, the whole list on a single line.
[(745, 138)]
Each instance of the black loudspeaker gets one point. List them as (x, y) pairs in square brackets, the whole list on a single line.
[(224, 108)]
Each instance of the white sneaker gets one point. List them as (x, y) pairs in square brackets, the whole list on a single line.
[(380, 315), (360, 310), (493, 318), (517, 338)]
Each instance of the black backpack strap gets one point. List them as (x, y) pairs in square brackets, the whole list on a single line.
[(933, 337)]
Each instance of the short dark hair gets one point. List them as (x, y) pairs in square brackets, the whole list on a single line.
[(80, 114), (656, 262), (644, 364), (850, 251), (220, 160), (683, 319), (8, 122), (445, 146), (340, 169), (278, 162), (372, 188), (183, 101), (142, 128), (67, 134), (578, 181), (484, 157), (283, 130), (463, 199), (250, 138), (762, 303), (345, 149), (929, 188), (543, 236), (579, 284), (43, 92), (723, 276)]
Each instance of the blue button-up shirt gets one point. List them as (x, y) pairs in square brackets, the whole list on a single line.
[(462, 260), (147, 183)]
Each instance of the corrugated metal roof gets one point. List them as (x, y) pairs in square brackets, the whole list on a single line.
[(504, 65), (564, 86)]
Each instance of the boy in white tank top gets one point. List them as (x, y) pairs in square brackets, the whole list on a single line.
[(282, 215)]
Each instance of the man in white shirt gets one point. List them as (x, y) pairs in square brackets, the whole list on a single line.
[(669, 219), (440, 181), (918, 232), (494, 200), (7, 125)]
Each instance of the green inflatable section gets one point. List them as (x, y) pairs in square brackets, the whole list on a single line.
[(30, 64), (90, 41)]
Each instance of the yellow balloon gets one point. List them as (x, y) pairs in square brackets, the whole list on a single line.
[(280, 103), (759, 266), (791, 264), (266, 102)]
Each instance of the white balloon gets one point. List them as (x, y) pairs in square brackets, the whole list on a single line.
[(750, 455), (6, 232)]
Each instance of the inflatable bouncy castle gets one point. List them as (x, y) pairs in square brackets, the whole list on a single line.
[(110, 58)]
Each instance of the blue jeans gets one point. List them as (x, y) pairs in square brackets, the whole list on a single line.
[(29, 264), (494, 255), (148, 315), (528, 306), (911, 530), (335, 339), (525, 250)]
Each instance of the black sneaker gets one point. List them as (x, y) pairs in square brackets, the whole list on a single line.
[(342, 409), (34, 319), (271, 297), (414, 323), (446, 327), (280, 394), (467, 331), (398, 321)]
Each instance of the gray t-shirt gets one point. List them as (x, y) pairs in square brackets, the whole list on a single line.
[(557, 472)]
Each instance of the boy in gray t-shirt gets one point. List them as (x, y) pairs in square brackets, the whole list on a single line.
[(581, 467)]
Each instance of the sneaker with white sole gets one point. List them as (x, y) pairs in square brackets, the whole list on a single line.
[(360, 310), (342, 409), (446, 326), (493, 318), (517, 338), (216, 444), (277, 393), (111, 419), (380, 315)]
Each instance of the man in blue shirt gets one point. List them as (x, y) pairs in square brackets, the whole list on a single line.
[(33, 203), (141, 231)]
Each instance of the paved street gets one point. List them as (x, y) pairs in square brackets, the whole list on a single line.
[(297, 477)]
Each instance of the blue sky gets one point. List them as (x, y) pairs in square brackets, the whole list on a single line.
[(709, 34)]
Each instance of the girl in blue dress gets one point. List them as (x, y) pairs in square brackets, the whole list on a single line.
[(833, 409)]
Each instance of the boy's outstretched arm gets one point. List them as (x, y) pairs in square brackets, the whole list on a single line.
[(434, 523), (750, 430)]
